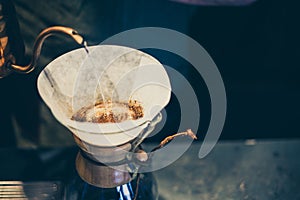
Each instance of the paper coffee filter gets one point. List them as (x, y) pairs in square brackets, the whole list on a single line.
[(76, 80)]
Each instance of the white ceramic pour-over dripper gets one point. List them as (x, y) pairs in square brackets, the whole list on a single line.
[(76, 79)]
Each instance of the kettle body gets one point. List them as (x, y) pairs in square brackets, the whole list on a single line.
[(12, 49)]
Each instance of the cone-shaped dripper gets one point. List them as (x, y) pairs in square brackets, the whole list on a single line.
[(110, 76)]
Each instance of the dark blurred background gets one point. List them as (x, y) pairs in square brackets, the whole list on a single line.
[(255, 46)]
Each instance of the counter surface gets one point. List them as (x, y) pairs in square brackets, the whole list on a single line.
[(233, 170)]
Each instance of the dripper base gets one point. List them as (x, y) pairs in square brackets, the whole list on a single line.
[(96, 181), (100, 175)]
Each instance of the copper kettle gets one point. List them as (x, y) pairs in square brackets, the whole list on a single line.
[(12, 48)]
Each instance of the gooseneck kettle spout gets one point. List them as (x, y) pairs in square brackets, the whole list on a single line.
[(39, 43), (12, 48)]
